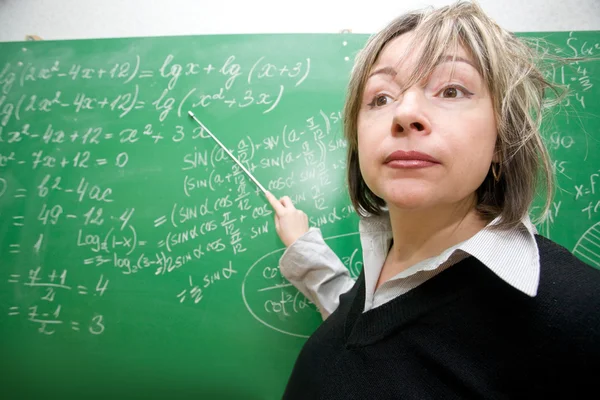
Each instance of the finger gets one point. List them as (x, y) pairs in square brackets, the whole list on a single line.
[(287, 203), (275, 203)]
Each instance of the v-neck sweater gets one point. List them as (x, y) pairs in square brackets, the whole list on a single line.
[(462, 334)]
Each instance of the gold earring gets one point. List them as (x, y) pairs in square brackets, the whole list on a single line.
[(498, 174)]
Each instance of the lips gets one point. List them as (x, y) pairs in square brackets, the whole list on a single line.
[(410, 159)]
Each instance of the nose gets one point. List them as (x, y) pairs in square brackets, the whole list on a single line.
[(410, 114)]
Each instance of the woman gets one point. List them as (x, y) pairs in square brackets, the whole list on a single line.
[(459, 297)]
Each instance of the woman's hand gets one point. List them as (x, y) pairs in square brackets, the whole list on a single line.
[(290, 222)]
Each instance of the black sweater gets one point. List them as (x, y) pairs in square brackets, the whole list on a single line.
[(463, 334)]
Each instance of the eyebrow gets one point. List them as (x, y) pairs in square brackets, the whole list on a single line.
[(392, 72), (385, 70)]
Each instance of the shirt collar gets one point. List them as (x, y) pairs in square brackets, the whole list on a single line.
[(510, 254)]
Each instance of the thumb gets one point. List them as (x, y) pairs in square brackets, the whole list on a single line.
[(277, 224)]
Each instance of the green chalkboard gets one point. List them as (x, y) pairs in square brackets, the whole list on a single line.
[(137, 261)]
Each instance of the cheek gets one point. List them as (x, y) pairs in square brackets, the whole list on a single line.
[(367, 153), (367, 147), (489, 137), (480, 148), (362, 139), (371, 130), (364, 161)]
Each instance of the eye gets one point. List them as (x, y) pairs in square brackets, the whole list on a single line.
[(380, 100), (454, 92)]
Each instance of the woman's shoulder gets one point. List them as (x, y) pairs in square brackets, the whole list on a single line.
[(567, 279), (567, 303), (558, 257)]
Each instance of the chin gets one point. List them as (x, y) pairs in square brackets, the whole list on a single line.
[(407, 199), (407, 204)]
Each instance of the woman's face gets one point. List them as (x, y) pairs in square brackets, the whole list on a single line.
[(431, 144)]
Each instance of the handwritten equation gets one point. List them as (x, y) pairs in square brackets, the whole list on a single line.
[(131, 74)]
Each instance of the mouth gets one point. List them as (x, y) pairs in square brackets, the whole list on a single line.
[(410, 160)]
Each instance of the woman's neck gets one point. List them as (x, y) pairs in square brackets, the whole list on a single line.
[(421, 234)]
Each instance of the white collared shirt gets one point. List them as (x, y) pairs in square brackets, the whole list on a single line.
[(314, 269)]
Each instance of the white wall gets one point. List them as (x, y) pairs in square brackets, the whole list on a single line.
[(80, 19)]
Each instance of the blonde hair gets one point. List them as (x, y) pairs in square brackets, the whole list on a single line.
[(517, 88)]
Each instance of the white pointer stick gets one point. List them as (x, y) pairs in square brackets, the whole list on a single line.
[(228, 152)]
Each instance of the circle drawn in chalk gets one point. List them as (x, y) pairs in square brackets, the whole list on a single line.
[(588, 246), (276, 303)]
